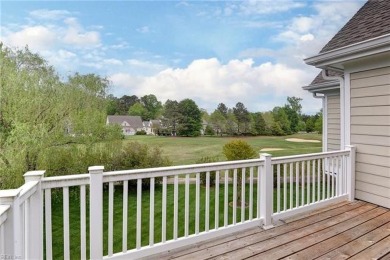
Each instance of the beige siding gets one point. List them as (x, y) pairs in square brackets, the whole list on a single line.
[(370, 132), (333, 127)]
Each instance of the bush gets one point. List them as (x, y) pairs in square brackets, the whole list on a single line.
[(134, 155), (277, 130), (207, 159), (113, 155), (142, 132), (209, 130), (238, 150)]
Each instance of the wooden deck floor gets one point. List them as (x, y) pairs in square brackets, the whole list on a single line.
[(356, 230)]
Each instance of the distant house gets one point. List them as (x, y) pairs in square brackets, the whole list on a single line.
[(147, 127), (151, 127), (355, 88), (130, 124)]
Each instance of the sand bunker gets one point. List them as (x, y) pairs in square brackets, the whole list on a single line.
[(297, 140), (271, 149)]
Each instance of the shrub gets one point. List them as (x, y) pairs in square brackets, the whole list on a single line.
[(142, 132), (134, 155), (76, 159), (238, 150), (207, 159), (209, 130), (277, 130)]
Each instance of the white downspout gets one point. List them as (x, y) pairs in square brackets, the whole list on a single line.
[(324, 122), (342, 106)]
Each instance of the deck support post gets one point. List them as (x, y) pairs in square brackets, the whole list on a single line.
[(96, 211), (266, 191), (13, 243), (34, 249), (351, 172)]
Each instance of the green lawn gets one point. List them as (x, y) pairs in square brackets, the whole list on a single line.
[(180, 150), (187, 150), (57, 217)]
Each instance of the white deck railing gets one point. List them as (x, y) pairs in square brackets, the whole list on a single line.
[(179, 206)]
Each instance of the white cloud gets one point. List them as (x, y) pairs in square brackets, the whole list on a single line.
[(209, 82), (36, 37), (76, 35), (46, 14), (143, 29), (114, 62), (307, 37), (320, 27), (251, 7)]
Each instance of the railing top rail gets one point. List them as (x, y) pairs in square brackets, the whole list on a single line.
[(4, 209), (27, 190), (83, 179), (3, 213), (182, 169), (311, 156), (65, 181)]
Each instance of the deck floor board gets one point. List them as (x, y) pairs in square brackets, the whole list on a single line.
[(356, 230)]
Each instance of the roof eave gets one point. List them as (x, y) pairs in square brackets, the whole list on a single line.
[(323, 87), (354, 51)]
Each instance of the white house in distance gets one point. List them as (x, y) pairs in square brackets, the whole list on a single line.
[(151, 127), (355, 88), (130, 124)]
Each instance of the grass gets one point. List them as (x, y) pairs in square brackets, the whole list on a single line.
[(187, 150), (180, 150), (57, 216)]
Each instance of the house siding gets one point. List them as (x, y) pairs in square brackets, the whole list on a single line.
[(370, 132), (333, 127)]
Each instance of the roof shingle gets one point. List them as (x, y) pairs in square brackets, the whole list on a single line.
[(371, 21), (319, 79), (133, 121)]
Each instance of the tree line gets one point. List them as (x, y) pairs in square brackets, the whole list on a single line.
[(59, 124), (185, 118)]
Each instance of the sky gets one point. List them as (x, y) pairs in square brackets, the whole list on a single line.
[(210, 51)]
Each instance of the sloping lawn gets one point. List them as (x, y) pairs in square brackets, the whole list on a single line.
[(180, 150), (57, 216), (187, 150)]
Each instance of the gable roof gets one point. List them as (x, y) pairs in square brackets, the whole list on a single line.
[(321, 85), (371, 21), (133, 121), (318, 80), (155, 123)]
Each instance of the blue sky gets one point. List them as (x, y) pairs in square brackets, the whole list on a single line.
[(210, 51)]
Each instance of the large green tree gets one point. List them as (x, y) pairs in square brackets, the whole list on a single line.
[(293, 110), (190, 119), (223, 109), (243, 119), (259, 125), (39, 111), (138, 110), (152, 106), (280, 121), (125, 102), (171, 115), (218, 120)]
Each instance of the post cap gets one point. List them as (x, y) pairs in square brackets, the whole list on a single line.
[(95, 169), (33, 175), (7, 196), (265, 155)]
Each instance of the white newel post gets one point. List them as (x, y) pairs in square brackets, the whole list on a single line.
[(35, 232), (96, 212), (13, 232), (266, 191), (351, 172)]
